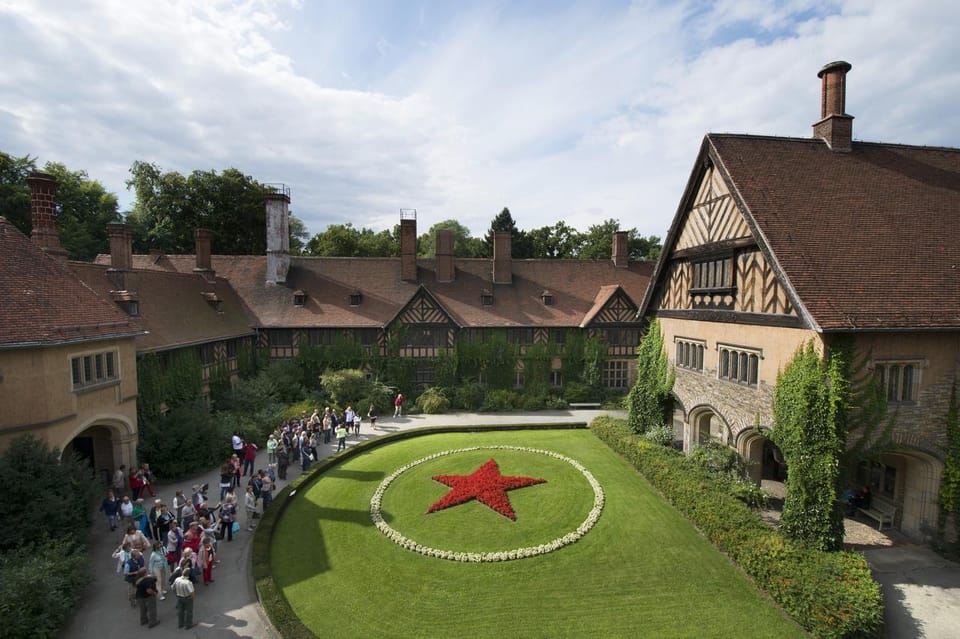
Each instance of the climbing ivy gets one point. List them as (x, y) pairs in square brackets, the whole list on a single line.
[(537, 365), (809, 420), (949, 496), (649, 398), (499, 361), (595, 355)]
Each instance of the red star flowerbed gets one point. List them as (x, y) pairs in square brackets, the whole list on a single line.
[(486, 485)]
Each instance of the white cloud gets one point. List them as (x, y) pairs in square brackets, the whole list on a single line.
[(583, 112)]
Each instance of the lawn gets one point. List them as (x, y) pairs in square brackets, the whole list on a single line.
[(642, 571)]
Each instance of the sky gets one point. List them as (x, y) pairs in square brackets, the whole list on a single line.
[(560, 110)]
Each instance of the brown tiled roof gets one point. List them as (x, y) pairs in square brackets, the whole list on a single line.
[(868, 239), (329, 283), (43, 303), (173, 307)]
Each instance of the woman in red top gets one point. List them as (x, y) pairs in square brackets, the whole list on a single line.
[(136, 483), (249, 457)]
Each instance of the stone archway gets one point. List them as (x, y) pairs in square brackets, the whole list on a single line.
[(910, 480), (106, 443), (763, 457), (704, 424)]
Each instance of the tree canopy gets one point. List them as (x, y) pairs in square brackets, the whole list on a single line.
[(169, 207), (342, 240), (84, 207), (464, 245)]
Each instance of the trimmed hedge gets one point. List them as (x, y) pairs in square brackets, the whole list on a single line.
[(830, 594)]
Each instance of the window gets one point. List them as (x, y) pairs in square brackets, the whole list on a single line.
[(486, 297), (739, 364), (423, 337), (206, 354), (898, 380), (355, 298), (547, 298), (881, 477), (424, 377), (713, 274), (615, 374), (299, 298), (558, 335), (91, 370), (690, 354), (232, 348), (556, 379), (622, 336), (520, 335)]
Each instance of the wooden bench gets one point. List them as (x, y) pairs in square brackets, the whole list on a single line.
[(585, 405), (881, 511)]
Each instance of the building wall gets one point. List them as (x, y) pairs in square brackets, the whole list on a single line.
[(37, 396)]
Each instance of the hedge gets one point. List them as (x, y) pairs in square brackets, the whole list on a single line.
[(830, 594)]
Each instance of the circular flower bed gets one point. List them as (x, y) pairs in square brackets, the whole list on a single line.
[(502, 555)]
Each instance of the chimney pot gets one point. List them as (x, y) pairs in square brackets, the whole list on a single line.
[(43, 214), (835, 126), (278, 234), (445, 268), (621, 249), (502, 257), (202, 239), (121, 253), (408, 245)]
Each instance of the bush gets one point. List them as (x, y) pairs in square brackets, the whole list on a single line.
[(469, 396), (40, 584), (533, 402), (662, 435), (575, 392), (831, 594), (42, 492), (717, 458), (433, 402), (183, 440), (344, 386), (500, 400), (555, 402)]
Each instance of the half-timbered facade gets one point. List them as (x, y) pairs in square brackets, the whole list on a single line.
[(780, 241)]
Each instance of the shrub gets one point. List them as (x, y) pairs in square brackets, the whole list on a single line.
[(717, 458), (575, 392), (831, 594), (533, 402), (469, 396), (498, 400), (39, 586), (344, 386), (662, 435), (433, 402), (555, 402), (42, 492), (183, 440)]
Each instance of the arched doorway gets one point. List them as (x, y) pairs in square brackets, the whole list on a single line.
[(704, 424), (764, 459), (104, 444)]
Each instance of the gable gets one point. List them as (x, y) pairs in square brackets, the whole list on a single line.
[(611, 306), (713, 217), (423, 308)]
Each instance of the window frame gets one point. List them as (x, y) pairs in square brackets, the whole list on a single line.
[(688, 353), (906, 388), (739, 364), (94, 369)]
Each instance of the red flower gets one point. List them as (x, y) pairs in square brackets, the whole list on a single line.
[(486, 485)]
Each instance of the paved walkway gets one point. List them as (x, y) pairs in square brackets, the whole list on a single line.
[(921, 589), (228, 608)]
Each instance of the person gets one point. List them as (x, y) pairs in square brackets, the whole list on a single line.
[(356, 423), (341, 438), (136, 483), (153, 518), (236, 443), (174, 544), (122, 554), (179, 501), (187, 515), (226, 479), (183, 589), (272, 443), (208, 557), (266, 489), (157, 566), (237, 465), (146, 596), (348, 417), (135, 537), (283, 460), (120, 480), (110, 507), (327, 424), (398, 405), (228, 514), (131, 567), (139, 516), (863, 498), (249, 458), (372, 416), (305, 459), (126, 509), (148, 479), (250, 505)]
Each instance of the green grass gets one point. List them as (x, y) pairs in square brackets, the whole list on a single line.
[(642, 571)]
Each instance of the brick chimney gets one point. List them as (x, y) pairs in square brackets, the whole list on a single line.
[(43, 212), (502, 257), (621, 250), (202, 239), (278, 235), (121, 254), (445, 270), (835, 126), (408, 245)]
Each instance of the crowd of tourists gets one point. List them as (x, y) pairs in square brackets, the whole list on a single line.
[(172, 547)]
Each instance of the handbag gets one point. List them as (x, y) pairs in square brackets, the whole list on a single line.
[(236, 527)]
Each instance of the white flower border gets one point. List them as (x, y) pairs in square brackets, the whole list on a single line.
[(480, 557)]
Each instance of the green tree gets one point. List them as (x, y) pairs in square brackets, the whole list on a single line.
[(45, 494), (169, 207), (649, 398), (464, 245), (808, 417), (949, 495), (503, 223), (14, 192), (84, 208), (598, 243), (298, 235), (557, 241), (343, 240)]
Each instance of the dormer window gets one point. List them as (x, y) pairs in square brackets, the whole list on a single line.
[(133, 308), (299, 298), (127, 300), (547, 298), (355, 298), (486, 298)]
